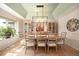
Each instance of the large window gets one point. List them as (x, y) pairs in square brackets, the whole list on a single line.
[(4, 22), (11, 24)]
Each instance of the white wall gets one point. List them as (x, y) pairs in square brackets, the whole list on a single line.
[(21, 26), (73, 37)]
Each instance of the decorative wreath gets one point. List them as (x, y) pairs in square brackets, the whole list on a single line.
[(73, 24)]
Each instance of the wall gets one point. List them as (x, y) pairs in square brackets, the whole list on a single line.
[(8, 42), (72, 37), (21, 26)]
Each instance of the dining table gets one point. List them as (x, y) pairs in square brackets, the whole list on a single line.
[(53, 36)]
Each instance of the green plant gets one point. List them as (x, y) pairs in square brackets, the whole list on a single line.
[(7, 32), (2, 31)]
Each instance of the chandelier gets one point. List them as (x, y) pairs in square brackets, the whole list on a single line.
[(39, 17)]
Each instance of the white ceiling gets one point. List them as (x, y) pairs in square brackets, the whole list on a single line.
[(27, 10), (65, 8), (7, 12), (31, 9), (17, 7)]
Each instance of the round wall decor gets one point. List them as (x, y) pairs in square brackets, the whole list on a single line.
[(73, 24)]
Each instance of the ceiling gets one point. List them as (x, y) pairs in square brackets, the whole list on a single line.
[(27, 10), (17, 7), (65, 8)]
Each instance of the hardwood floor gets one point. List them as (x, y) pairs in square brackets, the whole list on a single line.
[(18, 49)]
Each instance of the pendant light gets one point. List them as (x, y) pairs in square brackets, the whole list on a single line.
[(40, 8)]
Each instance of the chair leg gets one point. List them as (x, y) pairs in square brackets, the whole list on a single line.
[(56, 48), (45, 49), (60, 46), (63, 47), (34, 50), (48, 49), (37, 49), (25, 49)]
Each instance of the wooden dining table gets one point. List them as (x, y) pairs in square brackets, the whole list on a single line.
[(45, 36)]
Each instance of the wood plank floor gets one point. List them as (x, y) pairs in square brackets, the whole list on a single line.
[(18, 49)]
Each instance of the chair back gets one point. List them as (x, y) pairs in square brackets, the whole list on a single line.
[(63, 35), (31, 36), (20, 35), (30, 39), (41, 38)]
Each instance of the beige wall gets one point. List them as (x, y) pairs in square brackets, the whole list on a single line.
[(73, 37)]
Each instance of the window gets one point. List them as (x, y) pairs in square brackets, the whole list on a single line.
[(11, 24), (3, 21)]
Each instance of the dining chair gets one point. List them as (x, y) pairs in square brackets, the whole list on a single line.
[(41, 41), (52, 42), (30, 42), (61, 40), (20, 35)]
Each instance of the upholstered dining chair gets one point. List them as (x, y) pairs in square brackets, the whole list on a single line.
[(52, 42), (62, 38), (30, 42), (41, 41)]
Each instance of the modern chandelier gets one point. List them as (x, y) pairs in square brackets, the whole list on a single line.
[(39, 14)]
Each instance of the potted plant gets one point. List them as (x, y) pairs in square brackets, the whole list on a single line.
[(2, 31), (6, 32), (9, 32)]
